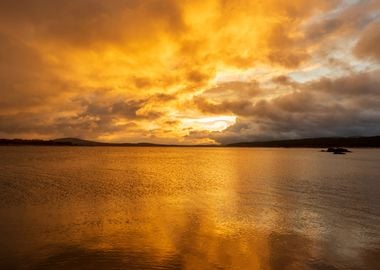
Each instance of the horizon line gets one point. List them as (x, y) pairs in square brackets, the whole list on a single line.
[(316, 142)]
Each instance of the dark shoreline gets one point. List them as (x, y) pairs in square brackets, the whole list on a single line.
[(351, 142)]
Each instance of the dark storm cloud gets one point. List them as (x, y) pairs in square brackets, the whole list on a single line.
[(239, 107), (345, 106), (368, 45), (354, 17), (83, 22), (82, 126), (102, 107), (156, 61), (233, 90), (283, 80), (345, 23), (95, 116), (289, 51), (228, 97), (364, 84), (25, 79), (125, 109)]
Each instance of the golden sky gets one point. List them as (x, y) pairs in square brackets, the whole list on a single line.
[(189, 71)]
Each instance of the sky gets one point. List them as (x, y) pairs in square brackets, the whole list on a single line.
[(189, 71)]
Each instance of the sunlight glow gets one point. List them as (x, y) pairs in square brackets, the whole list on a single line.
[(215, 123)]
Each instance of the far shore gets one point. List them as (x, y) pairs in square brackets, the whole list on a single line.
[(350, 142)]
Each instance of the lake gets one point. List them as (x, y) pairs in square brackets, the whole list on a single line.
[(188, 208)]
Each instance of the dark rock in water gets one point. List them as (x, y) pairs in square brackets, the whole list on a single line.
[(342, 150), (337, 150)]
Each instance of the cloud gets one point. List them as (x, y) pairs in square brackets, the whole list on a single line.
[(345, 106), (25, 78), (89, 22), (368, 44), (138, 70)]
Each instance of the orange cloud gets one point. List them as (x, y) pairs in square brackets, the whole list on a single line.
[(136, 70)]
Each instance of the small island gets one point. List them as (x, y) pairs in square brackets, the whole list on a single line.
[(337, 150)]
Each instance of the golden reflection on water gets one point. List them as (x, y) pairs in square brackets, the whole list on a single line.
[(187, 208)]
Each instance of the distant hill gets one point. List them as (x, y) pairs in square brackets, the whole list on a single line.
[(76, 141), (68, 142), (316, 142), (310, 142), (28, 142)]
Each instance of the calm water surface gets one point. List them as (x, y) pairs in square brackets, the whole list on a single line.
[(188, 208)]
